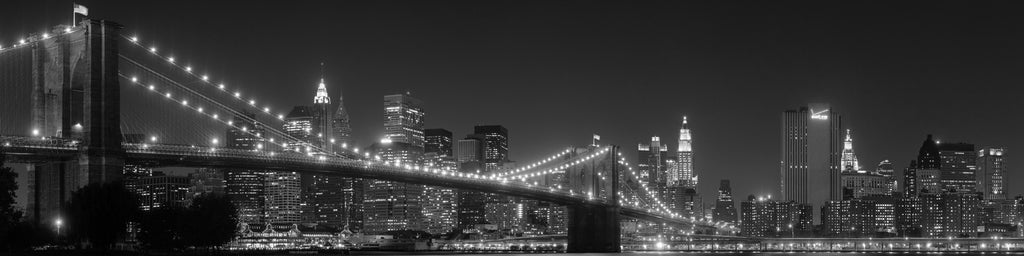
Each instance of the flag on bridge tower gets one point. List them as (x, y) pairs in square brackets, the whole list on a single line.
[(79, 9), (597, 138)]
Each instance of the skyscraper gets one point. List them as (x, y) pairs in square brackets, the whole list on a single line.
[(810, 162), (284, 198), (653, 164), (685, 175), (990, 174), (392, 205), (389, 205), (958, 167), (472, 204), (403, 119), (299, 125), (725, 208), (341, 192), (849, 161), (246, 188), (440, 207), (323, 132), (495, 143)]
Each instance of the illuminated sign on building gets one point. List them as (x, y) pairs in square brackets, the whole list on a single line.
[(820, 115)]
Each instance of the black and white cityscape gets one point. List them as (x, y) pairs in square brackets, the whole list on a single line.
[(483, 127)]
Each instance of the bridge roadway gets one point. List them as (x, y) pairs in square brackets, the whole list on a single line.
[(28, 149)]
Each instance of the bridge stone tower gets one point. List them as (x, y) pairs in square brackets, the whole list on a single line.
[(595, 228), (76, 95)]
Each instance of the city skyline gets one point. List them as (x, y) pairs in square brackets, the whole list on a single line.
[(863, 65)]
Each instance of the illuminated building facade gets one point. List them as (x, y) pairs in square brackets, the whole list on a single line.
[(653, 165), (284, 198), (403, 119), (725, 208), (299, 125), (958, 166), (495, 138), (849, 160), (810, 162), (472, 204), (763, 217), (389, 205), (990, 174), (440, 207), (684, 174), (246, 188), (160, 190)]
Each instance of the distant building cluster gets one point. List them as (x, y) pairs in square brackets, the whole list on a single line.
[(950, 190), (280, 205)]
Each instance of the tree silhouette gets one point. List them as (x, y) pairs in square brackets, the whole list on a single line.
[(161, 228), (9, 215), (210, 221), (99, 213)]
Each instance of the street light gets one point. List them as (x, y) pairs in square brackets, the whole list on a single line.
[(59, 223)]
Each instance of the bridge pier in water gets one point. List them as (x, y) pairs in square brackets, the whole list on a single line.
[(593, 228), (76, 95)]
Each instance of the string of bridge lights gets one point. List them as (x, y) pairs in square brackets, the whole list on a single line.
[(524, 176), (643, 185), (205, 78), (535, 165), (32, 38), (215, 116), (665, 209), (236, 113)]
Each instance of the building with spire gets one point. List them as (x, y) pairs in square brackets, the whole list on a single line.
[(849, 161), (684, 174)]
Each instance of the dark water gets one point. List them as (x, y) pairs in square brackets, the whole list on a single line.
[(730, 253)]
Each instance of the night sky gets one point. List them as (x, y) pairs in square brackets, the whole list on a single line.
[(554, 72)]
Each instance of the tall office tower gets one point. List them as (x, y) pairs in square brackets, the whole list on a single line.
[(389, 205), (849, 161), (326, 203), (351, 189), (990, 173), (495, 143), (470, 149), (928, 160), (354, 191), (910, 179), (928, 156), (342, 124), (323, 131), (653, 164), (246, 188), (403, 119), (469, 153), (810, 162), (284, 198), (438, 141), (684, 158), (161, 190), (440, 208), (725, 208), (958, 167), (299, 125)]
